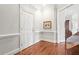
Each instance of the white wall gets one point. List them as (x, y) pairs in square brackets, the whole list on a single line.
[(42, 14), (60, 27), (61, 6), (27, 23), (9, 28), (70, 12), (61, 22)]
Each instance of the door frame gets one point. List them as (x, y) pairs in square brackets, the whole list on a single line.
[(24, 12)]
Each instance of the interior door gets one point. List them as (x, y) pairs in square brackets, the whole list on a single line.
[(26, 25)]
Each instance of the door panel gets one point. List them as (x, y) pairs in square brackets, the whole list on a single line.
[(26, 29)]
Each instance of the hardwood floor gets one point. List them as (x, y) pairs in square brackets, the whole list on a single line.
[(74, 50), (43, 48), (61, 48)]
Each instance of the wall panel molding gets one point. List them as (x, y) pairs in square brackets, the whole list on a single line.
[(9, 35), (65, 7)]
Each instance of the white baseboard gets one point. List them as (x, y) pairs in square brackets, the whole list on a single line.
[(13, 52), (61, 41), (23, 47), (53, 41)]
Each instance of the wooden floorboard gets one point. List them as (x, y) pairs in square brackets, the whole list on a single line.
[(44, 48), (48, 48), (40, 48)]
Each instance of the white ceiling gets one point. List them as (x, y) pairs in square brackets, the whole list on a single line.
[(41, 6)]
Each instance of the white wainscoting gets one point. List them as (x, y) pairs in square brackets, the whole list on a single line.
[(9, 35), (13, 52), (5, 37), (48, 36)]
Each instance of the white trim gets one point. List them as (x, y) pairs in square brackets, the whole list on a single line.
[(63, 8), (52, 41), (48, 31), (23, 47), (59, 11), (59, 41), (13, 52), (24, 12), (44, 31), (22, 9), (9, 35)]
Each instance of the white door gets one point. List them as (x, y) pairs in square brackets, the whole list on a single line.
[(26, 26)]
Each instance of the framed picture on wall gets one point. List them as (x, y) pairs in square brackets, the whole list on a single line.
[(47, 24)]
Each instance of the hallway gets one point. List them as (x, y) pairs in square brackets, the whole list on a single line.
[(38, 29)]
